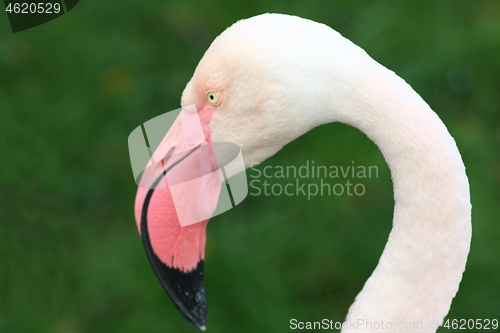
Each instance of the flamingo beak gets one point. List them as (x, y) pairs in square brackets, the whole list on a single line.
[(186, 289), (177, 195), (180, 189)]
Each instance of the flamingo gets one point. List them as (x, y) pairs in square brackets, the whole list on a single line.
[(269, 79)]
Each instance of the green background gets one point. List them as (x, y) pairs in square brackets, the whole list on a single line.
[(72, 90)]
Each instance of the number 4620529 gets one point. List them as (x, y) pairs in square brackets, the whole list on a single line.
[(471, 324), (33, 8)]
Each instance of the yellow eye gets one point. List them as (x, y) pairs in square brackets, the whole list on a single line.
[(213, 97)]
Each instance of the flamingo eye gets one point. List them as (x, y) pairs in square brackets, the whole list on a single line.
[(213, 97)]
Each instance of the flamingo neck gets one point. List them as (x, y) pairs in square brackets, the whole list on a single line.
[(422, 264)]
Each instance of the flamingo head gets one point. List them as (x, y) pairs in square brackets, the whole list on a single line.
[(261, 83)]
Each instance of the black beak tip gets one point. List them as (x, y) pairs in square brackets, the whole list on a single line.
[(188, 295), (186, 289), (196, 320)]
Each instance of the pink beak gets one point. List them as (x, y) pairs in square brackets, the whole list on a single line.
[(177, 195)]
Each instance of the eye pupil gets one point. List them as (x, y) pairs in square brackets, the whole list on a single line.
[(213, 97)]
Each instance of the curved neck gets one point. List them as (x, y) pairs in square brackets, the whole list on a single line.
[(422, 264)]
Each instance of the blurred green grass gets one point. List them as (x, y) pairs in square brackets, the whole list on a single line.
[(73, 89)]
